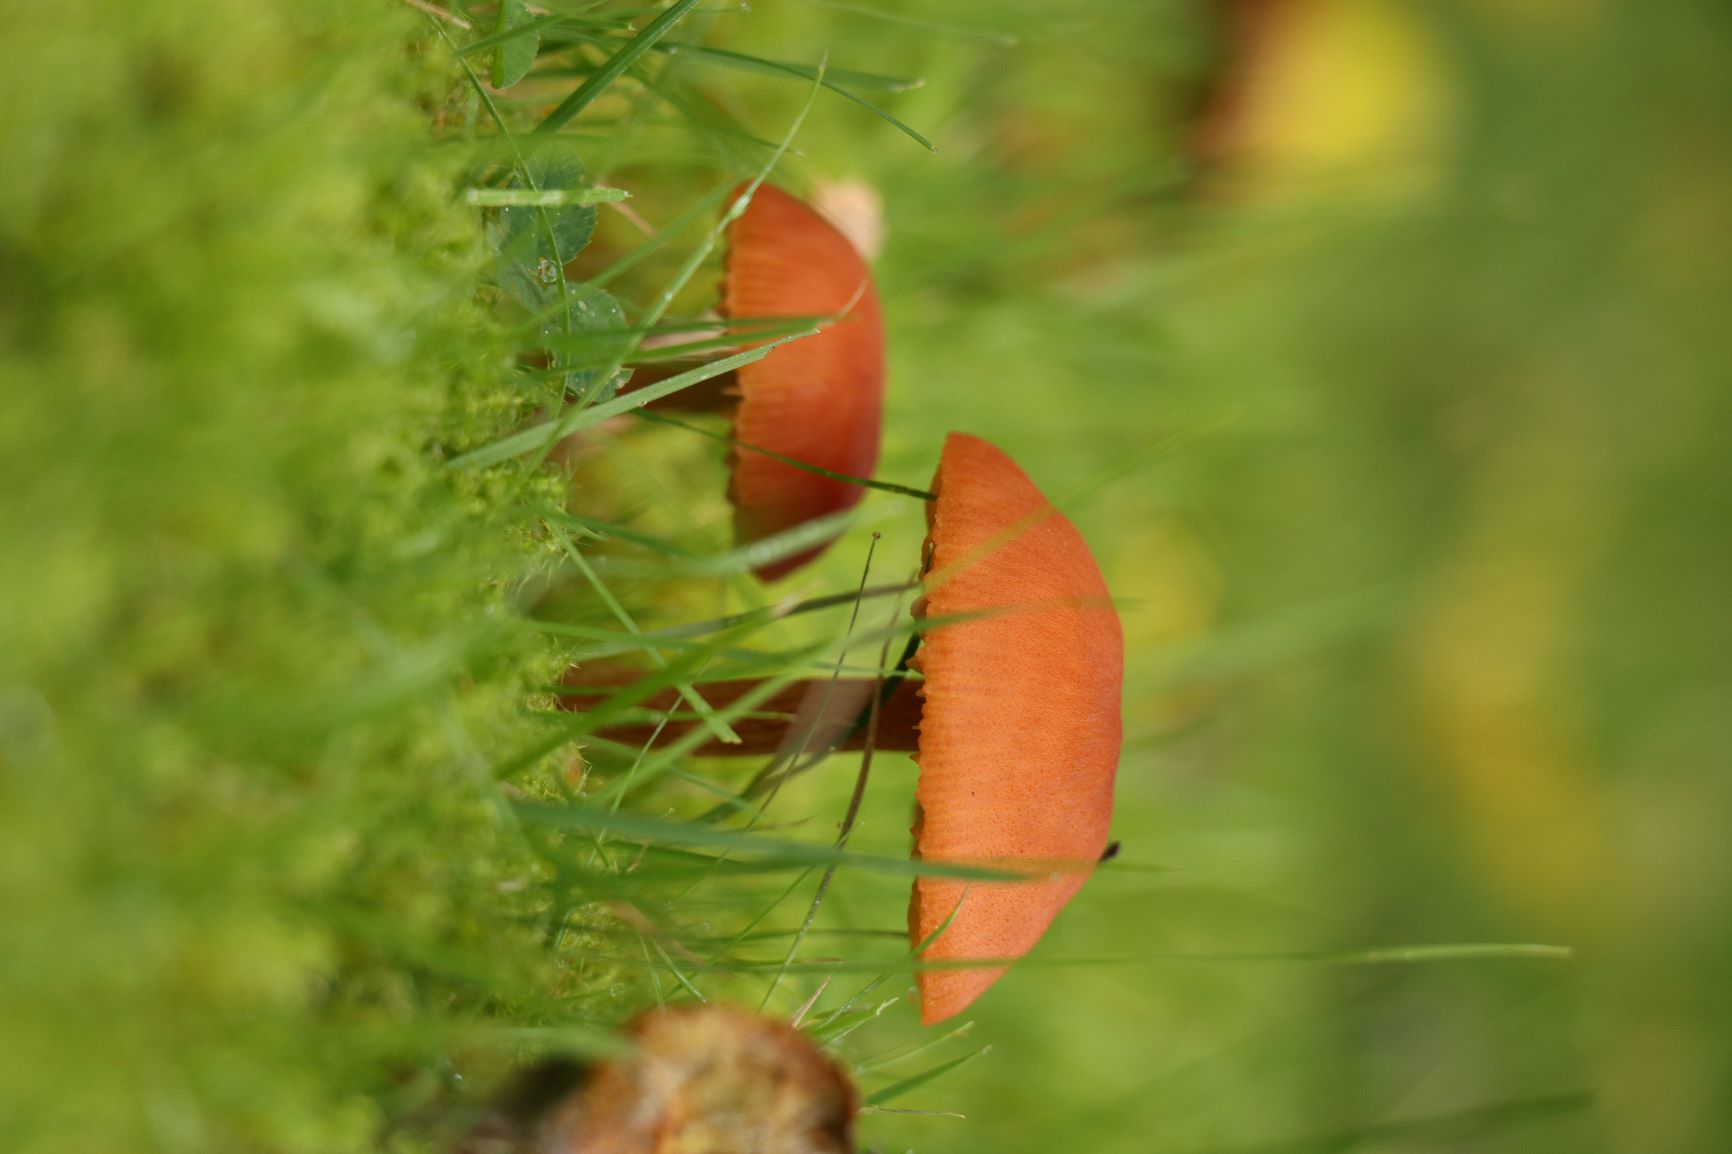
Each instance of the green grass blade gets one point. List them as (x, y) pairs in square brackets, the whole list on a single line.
[(1399, 955), (714, 724), (542, 197), (897, 1089), (834, 79), (545, 434), (701, 207), (790, 854), (517, 46), (532, 27), (816, 470), (1475, 1122), (615, 66), (746, 558)]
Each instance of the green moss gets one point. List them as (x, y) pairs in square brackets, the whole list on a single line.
[(252, 658)]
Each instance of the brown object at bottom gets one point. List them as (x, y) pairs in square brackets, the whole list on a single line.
[(708, 1080)]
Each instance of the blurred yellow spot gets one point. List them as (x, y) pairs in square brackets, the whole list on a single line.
[(1172, 589), (1348, 94), (1492, 670), (1541, 16)]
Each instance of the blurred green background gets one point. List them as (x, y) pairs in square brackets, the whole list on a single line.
[(1402, 434), (1396, 418)]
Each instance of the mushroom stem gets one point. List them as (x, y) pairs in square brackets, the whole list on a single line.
[(815, 715), (718, 394)]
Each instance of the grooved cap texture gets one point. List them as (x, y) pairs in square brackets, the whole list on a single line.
[(1021, 727)]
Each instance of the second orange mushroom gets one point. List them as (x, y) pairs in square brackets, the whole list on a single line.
[(818, 400)]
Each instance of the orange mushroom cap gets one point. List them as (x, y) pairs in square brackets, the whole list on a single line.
[(818, 400), (1020, 731)]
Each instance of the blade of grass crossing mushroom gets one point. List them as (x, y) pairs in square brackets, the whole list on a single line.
[(832, 932), (780, 769), (666, 757), (792, 854), (746, 330), (742, 559), (652, 245), (854, 800), (618, 699), (613, 643), (685, 524), (833, 1028), (779, 612), (1396, 955), (773, 776), (730, 803), (721, 729), (545, 435), (863, 482)]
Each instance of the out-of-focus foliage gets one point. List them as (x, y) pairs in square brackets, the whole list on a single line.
[(1411, 417)]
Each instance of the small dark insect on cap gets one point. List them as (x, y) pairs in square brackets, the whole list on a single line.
[(1111, 852)]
